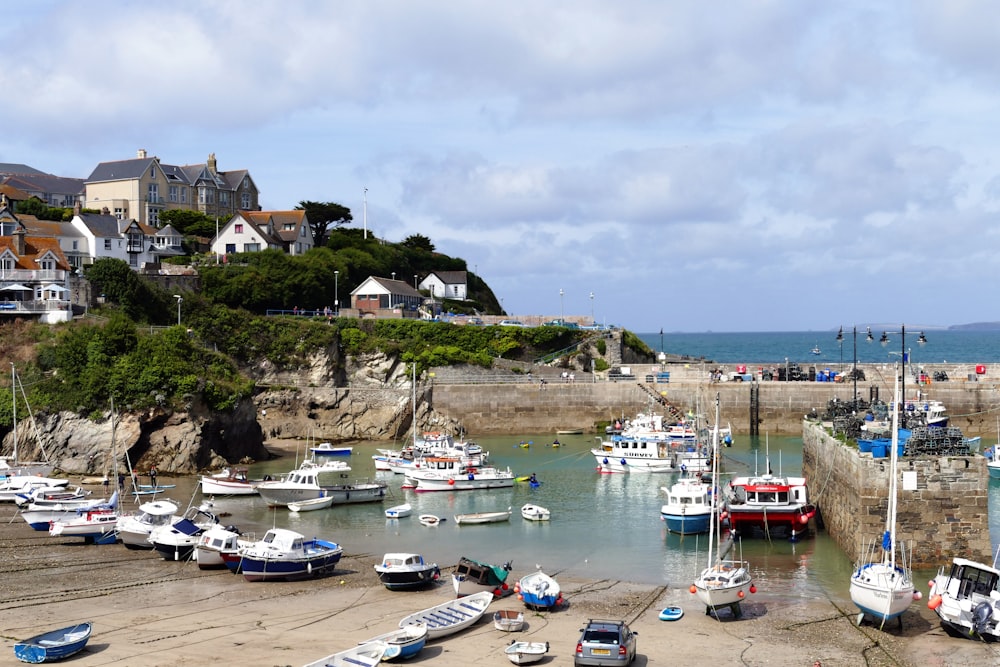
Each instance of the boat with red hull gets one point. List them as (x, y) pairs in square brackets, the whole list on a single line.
[(773, 504)]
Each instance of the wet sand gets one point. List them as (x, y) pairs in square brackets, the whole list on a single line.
[(150, 612)]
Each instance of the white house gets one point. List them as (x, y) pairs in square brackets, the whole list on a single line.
[(446, 284), (254, 231), (107, 236)]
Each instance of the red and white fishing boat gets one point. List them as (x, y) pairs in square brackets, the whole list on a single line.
[(774, 504), (229, 482)]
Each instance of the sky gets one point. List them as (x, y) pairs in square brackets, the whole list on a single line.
[(682, 165)]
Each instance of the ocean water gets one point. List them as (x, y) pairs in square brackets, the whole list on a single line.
[(602, 527), (942, 346)]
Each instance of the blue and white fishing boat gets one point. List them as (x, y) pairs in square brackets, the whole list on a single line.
[(329, 449), (688, 507), (538, 591), (285, 554), (402, 643), (399, 571), (53, 645)]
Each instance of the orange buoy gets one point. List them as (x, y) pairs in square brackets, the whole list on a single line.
[(934, 602), (451, 481), (693, 589), (741, 595), (804, 519), (930, 584), (753, 589)]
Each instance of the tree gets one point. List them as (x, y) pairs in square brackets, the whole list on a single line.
[(189, 223), (418, 242), (323, 215)]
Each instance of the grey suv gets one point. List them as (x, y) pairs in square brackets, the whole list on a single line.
[(605, 643)]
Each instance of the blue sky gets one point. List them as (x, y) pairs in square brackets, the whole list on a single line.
[(743, 166)]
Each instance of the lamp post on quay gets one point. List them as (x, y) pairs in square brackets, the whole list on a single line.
[(336, 293), (884, 340), (179, 300), (592, 320), (854, 367), (561, 316)]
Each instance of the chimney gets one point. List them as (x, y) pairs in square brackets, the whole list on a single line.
[(19, 241), (141, 154), (212, 167)]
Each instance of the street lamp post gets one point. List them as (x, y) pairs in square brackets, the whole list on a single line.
[(179, 300), (561, 316), (336, 293), (884, 340), (854, 366), (592, 320)]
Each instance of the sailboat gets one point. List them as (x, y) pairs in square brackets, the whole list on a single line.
[(12, 466), (881, 585), (725, 582)]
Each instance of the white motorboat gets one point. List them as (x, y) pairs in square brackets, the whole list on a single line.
[(535, 513), (452, 616), (882, 581), (466, 478), (725, 582), (217, 545), (399, 571), (229, 482), (24, 485), (484, 517), (399, 511), (134, 529), (321, 503), (304, 483), (286, 554), (94, 526), (966, 597), (688, 507), (330, 449), (524, 653), (177, 540)]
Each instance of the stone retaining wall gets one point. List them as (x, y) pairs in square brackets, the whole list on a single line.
[(945, 516)]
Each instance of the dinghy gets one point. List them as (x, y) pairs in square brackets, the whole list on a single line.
[(508, 620), (671, 613), (523, 653), (363, 655), (53, 645), (311, 504), (399, 511), (402, 643)]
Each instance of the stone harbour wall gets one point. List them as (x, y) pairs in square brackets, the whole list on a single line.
[(946, 515)]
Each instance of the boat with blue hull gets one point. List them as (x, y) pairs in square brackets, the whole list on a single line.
[(53, 645), (285, 554), (688, 507), (539, 591)]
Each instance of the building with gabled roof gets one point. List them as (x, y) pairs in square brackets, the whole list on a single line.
[(34, 272), (382, 297), (143, 187), (447, 284), (253, 231)]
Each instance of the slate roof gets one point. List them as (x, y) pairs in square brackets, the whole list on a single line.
[(14, 168), (452, 277), (120, 170)]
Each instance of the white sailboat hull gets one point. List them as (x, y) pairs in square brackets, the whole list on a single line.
[(882, 591), (723, 585)]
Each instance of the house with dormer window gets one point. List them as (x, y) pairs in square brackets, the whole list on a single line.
[(34, 272), (108, 236), (253, 231)]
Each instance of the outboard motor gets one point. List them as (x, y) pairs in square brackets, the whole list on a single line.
[(981, 616)]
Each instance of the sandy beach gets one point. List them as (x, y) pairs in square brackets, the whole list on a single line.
[(150, 612)]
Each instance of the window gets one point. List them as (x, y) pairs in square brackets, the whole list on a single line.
[(230, 248), (210, 194), (133, 260), (152, 172), (154, 217), (120, 213), (201, 194), (223, 197), (6, 264), (184, 195), (154, 193), (107, 244), (245, 201), (173, 193), (76, 245), (288, 227), (251, 247), (238, 228)]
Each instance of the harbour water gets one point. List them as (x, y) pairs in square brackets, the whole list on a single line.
[(602, 526), (943, 346)]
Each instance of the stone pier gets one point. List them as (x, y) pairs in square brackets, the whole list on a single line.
[(943, 516)]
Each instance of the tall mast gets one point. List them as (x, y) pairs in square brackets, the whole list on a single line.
[(13, 396)]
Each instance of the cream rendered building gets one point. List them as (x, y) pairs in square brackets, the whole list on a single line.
[(142, 188)]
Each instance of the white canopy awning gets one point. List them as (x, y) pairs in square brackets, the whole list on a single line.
[(55, 288), (17, 288)]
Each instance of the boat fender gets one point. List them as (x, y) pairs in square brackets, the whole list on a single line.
[(934, 602), (471, 476), (605, 460), (309, 568), (624, 462), (753, 589)]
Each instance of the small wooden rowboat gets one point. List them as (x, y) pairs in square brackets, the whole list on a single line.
[(508, 620), (671, 613), (53, 645), (483, 517), (365, 655), (399, 511), (429, 520), (451, 616)]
